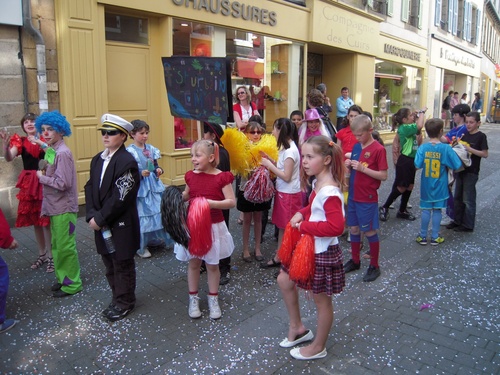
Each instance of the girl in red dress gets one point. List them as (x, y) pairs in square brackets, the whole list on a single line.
[(31, 149), (205, 180)]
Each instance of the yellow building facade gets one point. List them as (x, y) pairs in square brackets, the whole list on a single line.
[(109, 56)]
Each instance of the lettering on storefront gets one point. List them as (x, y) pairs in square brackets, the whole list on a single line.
[(401, 52), (456, 58), (345, 29), (233, 9)]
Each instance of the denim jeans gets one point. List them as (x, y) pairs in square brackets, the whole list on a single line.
[(465, 199), (4, 287)]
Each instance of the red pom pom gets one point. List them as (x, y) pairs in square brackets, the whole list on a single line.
[(290, 238), (199, 224), (303, 263)]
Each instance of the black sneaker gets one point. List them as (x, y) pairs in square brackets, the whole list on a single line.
[(224, 278), (405, 215), (372, 274), (452, 225), (116, 313), (56, 287), (351, 266), (383, 213), (461, 228)]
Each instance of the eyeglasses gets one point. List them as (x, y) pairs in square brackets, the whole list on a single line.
[(110, 132), (241, 93), (255, 132)]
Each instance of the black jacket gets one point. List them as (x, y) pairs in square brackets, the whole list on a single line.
[(113, 204)]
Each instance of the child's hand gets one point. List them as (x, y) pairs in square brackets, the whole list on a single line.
[(40, 173), (13, 244), (357, 166), (93, 225), (348, 163), (159, 172), (145, 173), (266, 163), (296, 220)]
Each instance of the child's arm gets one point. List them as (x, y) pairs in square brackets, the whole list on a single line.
[(480, 153), (228, 202), (286, 174), (185, 194), (333, 226), (62, 177)]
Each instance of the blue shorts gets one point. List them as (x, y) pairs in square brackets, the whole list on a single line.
[(362, 215), (433, 205)]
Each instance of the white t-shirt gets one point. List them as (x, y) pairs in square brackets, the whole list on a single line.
[(293, 186)]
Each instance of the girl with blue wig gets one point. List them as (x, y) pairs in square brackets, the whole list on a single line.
[(60, 202)]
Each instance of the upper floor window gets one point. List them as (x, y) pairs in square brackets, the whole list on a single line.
[(458, 17), (383, 7), (412, 12)]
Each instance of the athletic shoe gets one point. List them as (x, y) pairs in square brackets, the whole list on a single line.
[(224, 278), (405, 215), (144, 253), (213, 306), (437, 241), (422, 241), (194, 306), (8, 324), (372, 274), (452, 225), (446, 220), (383, 213), (351, 266)]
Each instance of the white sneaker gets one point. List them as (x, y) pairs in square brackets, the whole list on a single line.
[(446, 220), (144, 253), (391, 206), (213, 305), (194, 306)]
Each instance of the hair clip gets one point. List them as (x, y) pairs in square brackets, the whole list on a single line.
[(330, 143)]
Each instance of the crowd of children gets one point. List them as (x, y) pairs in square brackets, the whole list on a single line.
[(123, 196)]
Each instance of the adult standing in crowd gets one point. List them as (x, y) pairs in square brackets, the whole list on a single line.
[(110, 197), (446, 109), (477, 104), (327, 106), (243, 109), (344, 102)]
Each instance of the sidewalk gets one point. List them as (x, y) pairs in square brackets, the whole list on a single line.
[(380, 327)]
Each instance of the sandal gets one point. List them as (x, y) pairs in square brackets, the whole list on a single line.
[(270, 265), (239, 221), (39, 261), (50, 265)]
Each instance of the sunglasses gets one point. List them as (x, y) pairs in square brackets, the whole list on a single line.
[(109, 132), (255, 132), (241, 93)]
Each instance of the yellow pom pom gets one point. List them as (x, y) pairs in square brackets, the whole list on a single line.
[(237, 145), (268, 145)]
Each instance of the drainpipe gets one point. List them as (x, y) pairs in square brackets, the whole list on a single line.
[(41, 69)]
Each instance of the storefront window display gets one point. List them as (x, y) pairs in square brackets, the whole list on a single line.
[(396, 86), (263, 64)]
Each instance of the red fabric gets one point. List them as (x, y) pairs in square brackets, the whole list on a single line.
[(209, 186), (200, 227), (290, 238), (303, 265), (237, 108), (5, 235), (347, 138), (332, 226)]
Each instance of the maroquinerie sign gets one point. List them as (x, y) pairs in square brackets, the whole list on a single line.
[(401, 52), (234, 9)]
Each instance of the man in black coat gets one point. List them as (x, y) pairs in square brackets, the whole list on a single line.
[(110, 199)]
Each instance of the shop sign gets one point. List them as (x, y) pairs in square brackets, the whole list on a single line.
[(233, 9), (197, 87), (339, 28), (401, 52), (456, 58)]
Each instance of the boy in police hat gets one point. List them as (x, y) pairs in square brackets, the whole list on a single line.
[(60, 201), (110, 200)]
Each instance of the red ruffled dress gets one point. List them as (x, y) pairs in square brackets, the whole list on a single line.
[(30, 190)]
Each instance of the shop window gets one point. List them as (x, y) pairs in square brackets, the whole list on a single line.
[(270, 68), (396, 86), (122, 28)]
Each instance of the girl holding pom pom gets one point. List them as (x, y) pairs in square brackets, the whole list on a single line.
[(210, 187), (323, 219)]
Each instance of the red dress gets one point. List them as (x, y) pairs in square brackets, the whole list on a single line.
[(30, 190)]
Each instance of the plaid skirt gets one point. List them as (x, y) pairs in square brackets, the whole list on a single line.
[(329, 276)]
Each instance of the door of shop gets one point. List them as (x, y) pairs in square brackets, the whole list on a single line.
[(128, 77)]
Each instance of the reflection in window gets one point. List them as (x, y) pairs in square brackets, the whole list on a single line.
[(270, 68), (396, 86), (128, 29)]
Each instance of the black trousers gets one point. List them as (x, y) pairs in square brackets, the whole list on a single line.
[(122, 280)]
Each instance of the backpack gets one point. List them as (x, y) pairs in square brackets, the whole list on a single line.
[(332, 130)]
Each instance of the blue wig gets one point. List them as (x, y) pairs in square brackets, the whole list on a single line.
[(54, 119)]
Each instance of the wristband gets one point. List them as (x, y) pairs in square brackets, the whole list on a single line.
[(44, 146)]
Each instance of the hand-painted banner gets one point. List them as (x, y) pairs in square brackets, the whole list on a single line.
[(197, 87)]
